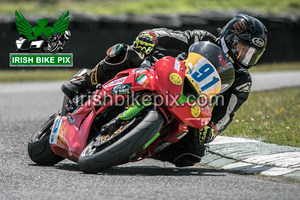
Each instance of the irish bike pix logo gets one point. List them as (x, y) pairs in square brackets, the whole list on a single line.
[(42, 45)]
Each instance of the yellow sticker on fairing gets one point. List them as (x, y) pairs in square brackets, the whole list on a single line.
[(195, 110), (175, 79)]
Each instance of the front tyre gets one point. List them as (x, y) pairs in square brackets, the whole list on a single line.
[(140, 130), (39, 149)]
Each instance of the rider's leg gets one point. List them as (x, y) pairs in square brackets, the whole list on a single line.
[(126, 57), (186, 152), (102, 73)]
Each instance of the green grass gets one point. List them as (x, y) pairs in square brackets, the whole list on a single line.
[(35, 75), (142, 7), (272, 117)]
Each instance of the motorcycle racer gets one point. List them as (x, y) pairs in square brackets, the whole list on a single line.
[(243, 38)]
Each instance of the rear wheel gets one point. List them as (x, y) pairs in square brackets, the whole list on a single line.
[(39, 149), (115, 146)]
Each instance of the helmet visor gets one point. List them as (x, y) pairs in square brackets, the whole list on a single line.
[(245, 54)]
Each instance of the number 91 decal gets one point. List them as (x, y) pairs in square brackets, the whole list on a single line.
[(204, 77)]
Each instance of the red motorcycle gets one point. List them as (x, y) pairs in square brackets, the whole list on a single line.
[(137, 114)]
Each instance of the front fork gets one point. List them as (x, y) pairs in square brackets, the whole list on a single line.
[(64, 110)]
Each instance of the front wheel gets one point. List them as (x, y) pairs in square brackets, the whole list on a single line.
[(39, 149), (108, 150)]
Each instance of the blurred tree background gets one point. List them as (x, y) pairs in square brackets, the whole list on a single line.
[(144, 7), (96, 25)]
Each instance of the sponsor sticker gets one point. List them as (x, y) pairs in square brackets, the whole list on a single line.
[(54, 133), (121, 89), (177, 65), (239, 27), (142, 80), (175, 79), (116, 82), (195, 110), (258, 42)]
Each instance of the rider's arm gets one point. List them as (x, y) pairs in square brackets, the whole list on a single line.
[(230, 101), (180, 41)]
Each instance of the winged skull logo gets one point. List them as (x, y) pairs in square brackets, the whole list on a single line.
[(42, 36)]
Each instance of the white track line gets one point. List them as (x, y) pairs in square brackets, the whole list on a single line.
[(224, 140), (287, 160)]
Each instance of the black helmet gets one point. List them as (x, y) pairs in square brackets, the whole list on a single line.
[(244, 38)]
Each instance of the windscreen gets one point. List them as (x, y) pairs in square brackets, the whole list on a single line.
[(209, 70)]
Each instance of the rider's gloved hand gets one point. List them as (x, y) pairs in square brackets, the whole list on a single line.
[(208, 133), (145, 42)]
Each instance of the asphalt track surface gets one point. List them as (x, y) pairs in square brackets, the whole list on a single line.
[(25, 106)]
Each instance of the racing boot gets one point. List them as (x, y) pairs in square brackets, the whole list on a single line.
[(188, 151), (77, 84)]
